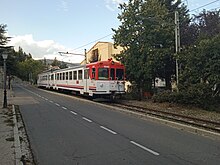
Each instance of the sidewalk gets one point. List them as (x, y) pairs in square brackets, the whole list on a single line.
[(7, 150)]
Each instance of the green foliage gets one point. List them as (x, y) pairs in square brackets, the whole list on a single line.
[(201, 65), (200, 73), (55, 62), (3, 38), (147, 35), (60, 64), (208, 24), (199, 95), (29, 69)]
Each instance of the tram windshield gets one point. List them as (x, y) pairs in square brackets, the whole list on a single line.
[(119, 74), (103, 74)]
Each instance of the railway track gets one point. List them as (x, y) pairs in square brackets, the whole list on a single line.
[(201, 123)]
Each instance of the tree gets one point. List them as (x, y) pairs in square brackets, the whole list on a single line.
[(29, 69), (208, 23), (61, 64), (3, 38), (147, 35), (55, 62)]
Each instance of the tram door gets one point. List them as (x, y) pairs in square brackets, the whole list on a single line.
[(86, 79)]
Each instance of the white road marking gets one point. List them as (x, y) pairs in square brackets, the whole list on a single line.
[(57, 104), (51, 101), (87, 119), (64, 108), (73, 112), (145, 148), (46, 99), (108, 130)]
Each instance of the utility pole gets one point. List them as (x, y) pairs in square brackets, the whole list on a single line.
[(177, 38), (85, 56)]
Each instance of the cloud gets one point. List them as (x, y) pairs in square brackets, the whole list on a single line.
[(63, 5), (112, 5), (43, 49)]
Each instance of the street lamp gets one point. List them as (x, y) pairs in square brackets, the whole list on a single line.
[(5, 56)]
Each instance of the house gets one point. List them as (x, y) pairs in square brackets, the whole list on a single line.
[(102, 51)]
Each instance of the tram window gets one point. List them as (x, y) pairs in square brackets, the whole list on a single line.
[(67, 75), (71, 75), (58, 77), (112, 73), (86, 74), (74, 75), (93, 73), (64, 76), (119, 74), (80, 75), (52, 77), (103, 73)]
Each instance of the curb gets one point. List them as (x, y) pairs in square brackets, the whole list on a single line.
[(17, 144)]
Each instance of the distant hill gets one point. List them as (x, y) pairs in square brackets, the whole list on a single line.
[(68, 64)]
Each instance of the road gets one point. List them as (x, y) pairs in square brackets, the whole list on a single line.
[(66, 131)]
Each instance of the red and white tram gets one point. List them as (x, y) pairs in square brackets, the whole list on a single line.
[(99, 79)]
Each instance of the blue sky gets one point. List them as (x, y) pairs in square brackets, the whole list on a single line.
[(44, 27)]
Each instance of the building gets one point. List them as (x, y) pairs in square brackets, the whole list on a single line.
[(102, 51)]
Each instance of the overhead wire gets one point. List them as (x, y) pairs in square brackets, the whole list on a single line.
[(204, 5), (92, 42), (112, 33)]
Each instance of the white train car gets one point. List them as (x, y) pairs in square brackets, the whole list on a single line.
[(99, 79)]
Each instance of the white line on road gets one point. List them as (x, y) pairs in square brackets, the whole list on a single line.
[(46, 99), (64, 108), (57, 104), (73, 112), (87, 119), (108, 130), (145, 148), (51, 101)]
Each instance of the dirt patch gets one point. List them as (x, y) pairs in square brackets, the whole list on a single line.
[(178, 109), (10, 139)]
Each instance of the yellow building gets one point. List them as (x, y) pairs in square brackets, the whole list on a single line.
[(102, 51)]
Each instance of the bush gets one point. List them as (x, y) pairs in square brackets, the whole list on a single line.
[(199, 95)]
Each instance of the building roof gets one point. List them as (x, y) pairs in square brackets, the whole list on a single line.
[(99, 42)]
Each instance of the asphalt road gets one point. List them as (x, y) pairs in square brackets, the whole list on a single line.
[(67, 131)]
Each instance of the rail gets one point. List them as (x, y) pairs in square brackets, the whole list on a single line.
[(202, 123)]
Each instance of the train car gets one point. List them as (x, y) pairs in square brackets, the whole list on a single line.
[(99, 79)]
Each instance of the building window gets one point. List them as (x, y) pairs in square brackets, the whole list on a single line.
[(95, 55)]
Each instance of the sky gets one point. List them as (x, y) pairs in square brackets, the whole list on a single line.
[(46, 27)]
